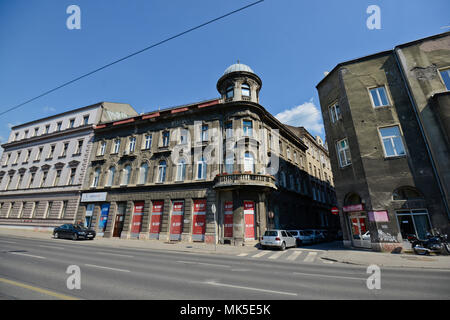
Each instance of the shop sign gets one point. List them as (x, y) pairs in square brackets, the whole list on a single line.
[(138, 212), (155, 223), (176, 225), (199, 220), (228, 220), (353, 207), (378, 216), (249, 219), (94, 197)]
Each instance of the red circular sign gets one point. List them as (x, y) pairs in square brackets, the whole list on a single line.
[(335, 210)]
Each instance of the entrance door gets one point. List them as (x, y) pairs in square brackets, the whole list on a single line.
[(228, 220), (89, 213), (360, 237), (249, 220), (120, 218)]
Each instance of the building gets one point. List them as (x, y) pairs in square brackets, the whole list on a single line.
[(386, 118), (44, 163), (222, 170)]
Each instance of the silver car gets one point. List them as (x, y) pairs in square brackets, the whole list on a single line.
[(277, 239)]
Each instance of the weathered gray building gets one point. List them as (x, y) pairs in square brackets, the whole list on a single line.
[(218, 170), (386, 119), (44, 163)]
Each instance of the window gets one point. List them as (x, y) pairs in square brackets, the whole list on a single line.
[(116, 146), (36, 130), (86, 119), (111, 173), (229, 164), (335, 113), (30, 183), (39, 154), (96, 178), (143, 173), (52, 150), (19, 181), (36, 205), (132, 145), (57, 178), (205, 132), (64, 209), (445, 75), (72, 176), (162, 171), (49, 209), (10, 209), (8, 182), (288, 153), (165, 138), (148, 142), (44, 178), (71, 123), (27, 156), (379, 97), (392, 141), (26, 134), (79, 147), (58, 126), (249, 163), (64, 151), (181, 170), (229, 129), (343, 151), (230, 92), (248, 128), (183, 136), (47, 129), (22, 209), (7, 159), (126, 175), (201, 169), (16, 136), (245, 90), (102, 148), (17, 157), (406, 193)]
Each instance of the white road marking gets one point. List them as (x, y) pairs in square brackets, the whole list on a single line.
[(250, 288), (53, 247), (206, 264), (262, 253), (327, 276), (115, 254), (277, 255), (4, 241), (310, 257), (242, 254), (28, 255), (108, 268), (294, 255)]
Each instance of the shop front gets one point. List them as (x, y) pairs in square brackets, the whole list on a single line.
[(358, 221)]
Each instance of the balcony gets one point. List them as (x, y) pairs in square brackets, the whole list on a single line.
[(236, 180)]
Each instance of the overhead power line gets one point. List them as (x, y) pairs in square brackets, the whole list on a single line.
[(129, 56)]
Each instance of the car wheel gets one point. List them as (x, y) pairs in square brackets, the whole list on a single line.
[(283, 246), (56, 235), (75, 236)]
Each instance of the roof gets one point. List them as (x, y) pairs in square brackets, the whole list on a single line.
[(238, 67)]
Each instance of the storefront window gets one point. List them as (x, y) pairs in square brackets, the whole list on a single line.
[(414, 222)]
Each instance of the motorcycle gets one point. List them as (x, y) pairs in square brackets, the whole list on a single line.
[(432, 244)]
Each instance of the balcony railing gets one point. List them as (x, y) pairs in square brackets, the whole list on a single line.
[(244, 179)]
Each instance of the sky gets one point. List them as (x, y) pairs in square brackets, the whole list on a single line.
[(288, 43)]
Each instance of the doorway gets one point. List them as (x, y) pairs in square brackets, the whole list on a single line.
[(120, 218), (360, 231)]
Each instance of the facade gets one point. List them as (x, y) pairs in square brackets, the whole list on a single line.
[(44, 163), (222, 170), (386, 118)]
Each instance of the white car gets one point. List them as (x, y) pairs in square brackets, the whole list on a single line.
[(301, 236), (277, 239), (366, 236)]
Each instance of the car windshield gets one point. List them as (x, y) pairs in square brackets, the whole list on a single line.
[(293, 232), (80, 228), (271, 233), (309, 232)]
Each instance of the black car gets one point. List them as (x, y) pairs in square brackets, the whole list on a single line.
[(74, 232)]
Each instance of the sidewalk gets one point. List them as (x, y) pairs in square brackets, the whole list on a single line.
[(334, 251)]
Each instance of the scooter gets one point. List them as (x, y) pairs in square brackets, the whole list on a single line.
[(433, 244)]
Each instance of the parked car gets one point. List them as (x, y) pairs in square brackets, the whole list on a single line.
[(281, 239), (301, 237), (366, 236), (315, 235), (74, 232)]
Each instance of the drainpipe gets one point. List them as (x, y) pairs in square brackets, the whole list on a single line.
[(416, 113)]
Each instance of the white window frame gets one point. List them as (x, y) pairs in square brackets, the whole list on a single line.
[(181, 170), (201, 169), (148, 141), (334, 114), (338, 151), (392, 142), (379, 96), (447, 69)]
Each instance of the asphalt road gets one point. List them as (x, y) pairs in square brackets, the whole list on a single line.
[(36, 269)]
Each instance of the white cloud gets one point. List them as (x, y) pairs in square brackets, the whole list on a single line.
[(305, 115)]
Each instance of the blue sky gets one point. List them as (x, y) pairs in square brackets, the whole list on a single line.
[(288, 43)]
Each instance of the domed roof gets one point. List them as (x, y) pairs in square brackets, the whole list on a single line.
[(238, 67)]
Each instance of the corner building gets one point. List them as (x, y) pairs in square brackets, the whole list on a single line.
[(222, 170)]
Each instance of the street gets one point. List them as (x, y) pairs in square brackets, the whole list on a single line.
[(36, 269)]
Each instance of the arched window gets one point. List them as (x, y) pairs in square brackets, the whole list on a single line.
[(230, 92), (162, 171), (249, 163), (181, 170), (111, 173), (245, 88), (406, 193), (126, 174), (201, 169), (352, 198), (143, 173)]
